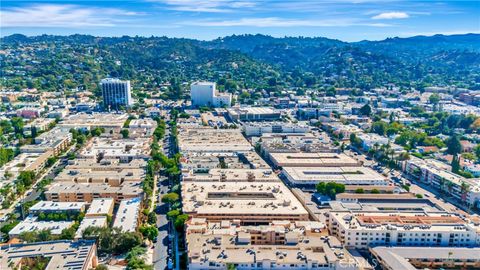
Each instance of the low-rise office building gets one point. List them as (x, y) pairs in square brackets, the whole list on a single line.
[(309, 177), (62, 254), (253, 114), (259, 128), (232, 175), (301, 159)]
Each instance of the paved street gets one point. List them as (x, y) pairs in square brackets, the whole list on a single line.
[(160, 254)]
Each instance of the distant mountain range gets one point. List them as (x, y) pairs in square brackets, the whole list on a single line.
[(413, 61)]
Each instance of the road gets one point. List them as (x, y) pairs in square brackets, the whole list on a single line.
[(160, 253)]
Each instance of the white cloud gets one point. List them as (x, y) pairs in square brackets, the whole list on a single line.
[(56, 15), (212, 6), (280, 22), (391, 15)]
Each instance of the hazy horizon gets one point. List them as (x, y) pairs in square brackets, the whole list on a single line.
[(346, 20)]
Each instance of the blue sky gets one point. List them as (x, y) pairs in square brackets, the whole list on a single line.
[(349, 20)]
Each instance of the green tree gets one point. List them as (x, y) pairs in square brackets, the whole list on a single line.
[(170, 197), (125, 133), (453, 145), (366, 110)]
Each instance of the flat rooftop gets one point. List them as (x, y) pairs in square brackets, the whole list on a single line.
[(411, 221), (88, 170), (50, 206), (240, 198), (111, 148), (312, 160), (30, 224), (128, 188), (99, 207), (83, 120), (232, 175), (127, 215), (346, 175), (90, 222), (63, 254), (206, 139), (400, 257), (221, 243)]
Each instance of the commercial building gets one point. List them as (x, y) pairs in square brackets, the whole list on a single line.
[(116, 93), (100, 207), (73, 192), (31, 224), (128, 214), (365, 229), (63, 254), (232, 175), (248, 202), (413, 258), (253, 114), (205, 94), (278, 245), (301, 159), (56, 207), (309, 177), (259, 128)]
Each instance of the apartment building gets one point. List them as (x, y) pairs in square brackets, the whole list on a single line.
[(82, 192), (55, 140), (107, 171), (109, 121), (124, 150), (439, 176), (128, 214), (413, 258), (366, 229), (62, 254), (248, 202), (277, 245)]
